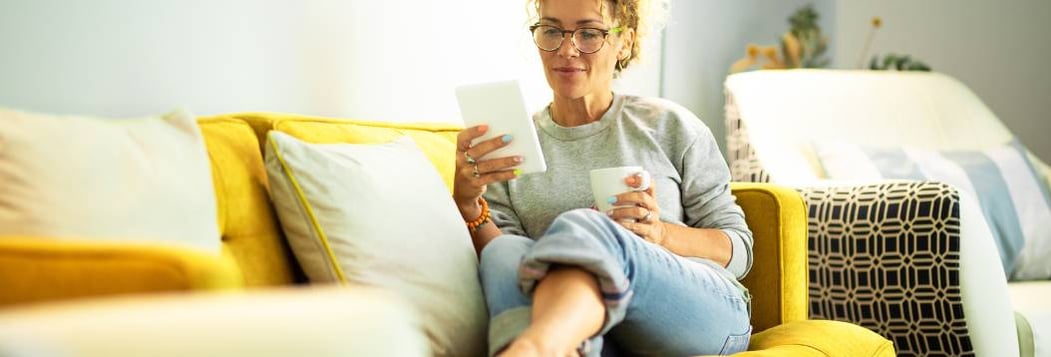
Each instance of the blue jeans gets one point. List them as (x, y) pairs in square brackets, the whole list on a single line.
[(657, 303)]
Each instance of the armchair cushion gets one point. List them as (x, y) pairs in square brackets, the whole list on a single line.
[(819, 339)]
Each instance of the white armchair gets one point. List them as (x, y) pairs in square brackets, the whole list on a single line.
[(913, 261)]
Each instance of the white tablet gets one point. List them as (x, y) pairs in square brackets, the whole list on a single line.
[(502, 107)]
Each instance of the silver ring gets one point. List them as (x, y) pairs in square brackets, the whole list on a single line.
[(470, 160), (646, 218), (475, 173)]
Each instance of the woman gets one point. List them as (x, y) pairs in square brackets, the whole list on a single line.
[(657, 276)]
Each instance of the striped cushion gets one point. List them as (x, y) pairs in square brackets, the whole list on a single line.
[(1015, 202)]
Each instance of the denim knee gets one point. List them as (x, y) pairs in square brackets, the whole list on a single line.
[(501, 256), (498, 270), (589, 240), (594, 225), (581, 216)]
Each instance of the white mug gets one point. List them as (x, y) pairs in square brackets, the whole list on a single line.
[(609, 182)]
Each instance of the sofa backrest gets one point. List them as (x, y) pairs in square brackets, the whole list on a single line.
[(785, 110), (438, 141), (251, 231)]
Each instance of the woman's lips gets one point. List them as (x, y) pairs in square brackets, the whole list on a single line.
[(568, 71)]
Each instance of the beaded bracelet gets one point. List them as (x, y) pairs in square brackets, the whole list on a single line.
[(482, 219)]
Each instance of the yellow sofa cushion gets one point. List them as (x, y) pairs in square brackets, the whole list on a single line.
[(35, 270), (818, 338), (250, 232), (438, 141)]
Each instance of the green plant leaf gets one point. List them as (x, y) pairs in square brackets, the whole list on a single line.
[(889, 61), (902, 63), (919, 66)]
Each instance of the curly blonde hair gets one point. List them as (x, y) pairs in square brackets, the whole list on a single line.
[(644, 16)]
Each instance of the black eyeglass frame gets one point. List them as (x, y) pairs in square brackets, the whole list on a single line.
[(572, 37)]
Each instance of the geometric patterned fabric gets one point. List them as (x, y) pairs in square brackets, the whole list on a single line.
[(887, 257), (882, 256)]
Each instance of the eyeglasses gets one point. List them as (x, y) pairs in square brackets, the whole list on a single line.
[(585, 40)]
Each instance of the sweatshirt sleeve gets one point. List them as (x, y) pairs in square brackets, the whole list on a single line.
[(501, 211), (707, 200)]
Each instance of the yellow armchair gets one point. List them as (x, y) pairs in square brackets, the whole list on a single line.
[(777, 216), (778, 279)]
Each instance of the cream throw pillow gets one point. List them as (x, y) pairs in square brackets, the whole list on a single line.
[(145, 179), (1014, 201), (380, 215)]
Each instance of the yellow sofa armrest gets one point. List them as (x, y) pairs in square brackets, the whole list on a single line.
[(777, 217), (40, 269)]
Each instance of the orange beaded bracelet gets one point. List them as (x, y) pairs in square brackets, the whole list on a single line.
[(482, 219)]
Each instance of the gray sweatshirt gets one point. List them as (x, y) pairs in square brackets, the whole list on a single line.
[(678, 150)]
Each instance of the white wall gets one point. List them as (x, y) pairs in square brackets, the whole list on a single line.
[(378, 60), (1000, 49), (390, 60), (705, 36), (121, 58)]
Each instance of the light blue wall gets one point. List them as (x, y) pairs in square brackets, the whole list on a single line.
[(127, 57), (999, 49), (704, 37), (131, 58)]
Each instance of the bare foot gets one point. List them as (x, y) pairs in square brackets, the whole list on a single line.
[(524, 347)]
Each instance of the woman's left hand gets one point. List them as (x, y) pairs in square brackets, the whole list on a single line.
[(643, 214)]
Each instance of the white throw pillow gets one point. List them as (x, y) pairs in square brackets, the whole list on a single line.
[(380, 215), (144, 179), (1014, 200)]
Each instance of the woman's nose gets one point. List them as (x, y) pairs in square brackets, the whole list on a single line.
[(568, 49)]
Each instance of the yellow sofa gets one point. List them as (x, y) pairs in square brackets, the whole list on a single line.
[(254, 253)]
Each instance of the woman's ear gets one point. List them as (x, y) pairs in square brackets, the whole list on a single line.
[(627, 40)]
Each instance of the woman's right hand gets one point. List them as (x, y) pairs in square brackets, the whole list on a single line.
[(472, 175)]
